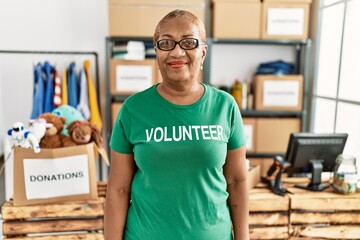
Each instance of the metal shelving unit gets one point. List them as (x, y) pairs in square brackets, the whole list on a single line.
[(302, 52)]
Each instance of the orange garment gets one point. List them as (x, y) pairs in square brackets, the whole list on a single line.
[(95, 117), (64, 91)]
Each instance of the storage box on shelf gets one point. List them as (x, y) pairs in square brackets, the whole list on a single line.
[(273, 92), (115, 108), (272, 134), (139, 18), (324, 215), (269, 135), (284, 19), (130, 76), (250, 133), (236, 19)]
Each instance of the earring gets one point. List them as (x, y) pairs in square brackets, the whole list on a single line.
[(201, 66)]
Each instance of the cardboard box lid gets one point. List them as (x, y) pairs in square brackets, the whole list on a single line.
[(144, 3), (288, 1), (236, 1)]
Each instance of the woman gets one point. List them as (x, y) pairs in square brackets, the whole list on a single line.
[(178, 154)]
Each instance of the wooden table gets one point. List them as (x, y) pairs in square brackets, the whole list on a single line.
[(325, 215), (300, 215)]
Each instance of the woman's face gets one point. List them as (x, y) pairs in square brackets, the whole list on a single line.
[(179, 65)]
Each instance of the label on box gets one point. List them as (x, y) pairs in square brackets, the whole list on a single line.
[(47, 178), (281, 93), (285, 21), (133, 78), (248, 129)]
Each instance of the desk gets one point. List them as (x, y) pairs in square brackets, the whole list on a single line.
[(268, 214), (326, 215), (299, 215), (303, 214), (71, 220)]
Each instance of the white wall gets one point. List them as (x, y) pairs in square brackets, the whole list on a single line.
[(45, 25)]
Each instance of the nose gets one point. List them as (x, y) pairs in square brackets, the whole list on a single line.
[(177, 51)]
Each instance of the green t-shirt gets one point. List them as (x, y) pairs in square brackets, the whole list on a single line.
[(179, 189)]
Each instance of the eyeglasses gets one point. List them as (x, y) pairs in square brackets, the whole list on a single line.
[(186, 44)]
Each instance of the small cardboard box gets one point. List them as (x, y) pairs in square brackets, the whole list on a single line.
[(273, 92), (115, 108), (239, 19), (273, 133), (138, 18), (253, 176), (128, 77), (284, 19), (53, 175), (264, 163), (250, 134)]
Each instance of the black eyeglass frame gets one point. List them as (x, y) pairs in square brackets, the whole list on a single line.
[(179, 43)]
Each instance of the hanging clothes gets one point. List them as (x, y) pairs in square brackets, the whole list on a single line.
[(57, 89), (95, 117), (49, 92), (64, 89), (39, 93), (73, 99), (83, 106)]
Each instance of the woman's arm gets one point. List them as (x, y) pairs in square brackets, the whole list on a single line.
[(118, 194), (237, 186)]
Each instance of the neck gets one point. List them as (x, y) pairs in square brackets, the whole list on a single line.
[(181, 94)]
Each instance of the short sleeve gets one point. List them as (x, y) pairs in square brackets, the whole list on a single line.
[(237, 135), (119, 141)]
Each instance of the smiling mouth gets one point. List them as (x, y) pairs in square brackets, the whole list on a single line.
[(177, 64)]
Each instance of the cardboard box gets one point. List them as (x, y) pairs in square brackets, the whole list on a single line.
[(272, 134), (253, 176), (284, 19), (250, 134), (264, 163), (238, 19), (128, 77), (54, 175), (115, 108), (139, 18), (273, 92)]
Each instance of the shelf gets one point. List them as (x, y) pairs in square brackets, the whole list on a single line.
[(257, 113), (259, 41), (263, 155)]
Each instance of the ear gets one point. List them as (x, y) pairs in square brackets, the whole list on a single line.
[(63, 120), (96, 135), (203, 52), (71, 127)]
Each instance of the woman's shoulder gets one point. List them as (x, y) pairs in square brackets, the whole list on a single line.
[(140, 97), (218, 93)]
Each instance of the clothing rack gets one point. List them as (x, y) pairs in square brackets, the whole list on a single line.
[(97, 84)]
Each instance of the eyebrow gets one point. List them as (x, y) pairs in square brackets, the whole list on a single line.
[(184, 36)]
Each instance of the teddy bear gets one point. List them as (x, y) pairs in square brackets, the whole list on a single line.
[(82, 132), (53, 137)]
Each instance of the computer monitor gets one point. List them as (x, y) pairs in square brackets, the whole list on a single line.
[(314, 153)]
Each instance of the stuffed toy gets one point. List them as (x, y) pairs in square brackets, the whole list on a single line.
[(20, 137), (70, 114), (53, 137), (82, 132), (38, 128)]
